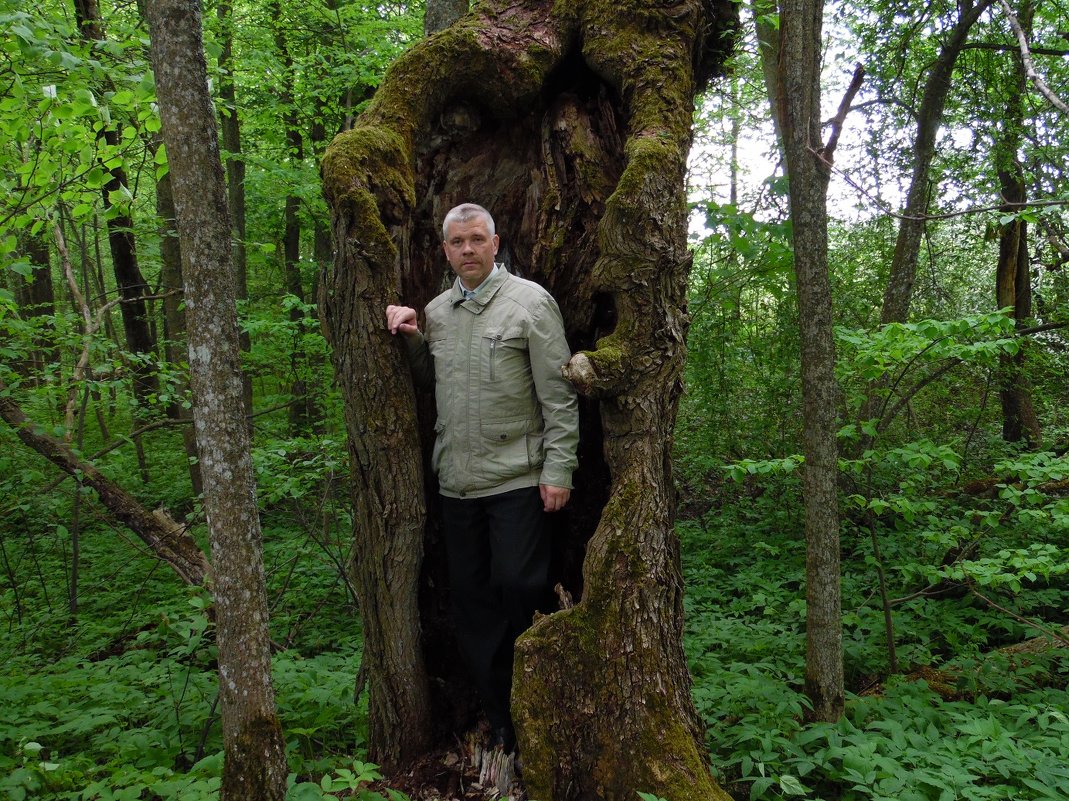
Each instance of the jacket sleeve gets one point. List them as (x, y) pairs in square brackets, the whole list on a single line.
[(419, 360), (560, 408)]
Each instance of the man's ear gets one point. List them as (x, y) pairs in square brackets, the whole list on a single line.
[(497, 241)]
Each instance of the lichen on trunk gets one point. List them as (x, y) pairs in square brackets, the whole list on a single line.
[(572, 127)]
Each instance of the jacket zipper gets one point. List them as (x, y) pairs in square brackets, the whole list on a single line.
[(493, 353)]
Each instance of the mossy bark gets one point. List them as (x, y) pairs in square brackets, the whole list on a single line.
[(572, 125)]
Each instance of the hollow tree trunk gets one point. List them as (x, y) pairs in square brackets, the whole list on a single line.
[(573, 129)]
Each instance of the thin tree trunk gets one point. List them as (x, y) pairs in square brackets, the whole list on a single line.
[(1013, 284), (230, 128), (254, 766), (174, 319), (899, 291), (768, 50), (37, 301), (808, 168), (128, 278), (302, 410)]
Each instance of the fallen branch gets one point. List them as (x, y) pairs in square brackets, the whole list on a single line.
[(167, 538)]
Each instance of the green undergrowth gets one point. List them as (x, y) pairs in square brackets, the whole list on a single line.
[(958, 720)]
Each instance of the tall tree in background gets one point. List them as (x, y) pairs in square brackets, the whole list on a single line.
[(255, 761), (809, 168), (573, 128), (929, 115), (132, 286), (230, 128), (1013, 280)]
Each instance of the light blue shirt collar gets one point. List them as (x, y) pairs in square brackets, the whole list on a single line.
[(469, 294)]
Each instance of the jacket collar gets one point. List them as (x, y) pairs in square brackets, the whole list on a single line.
[(486, 291)]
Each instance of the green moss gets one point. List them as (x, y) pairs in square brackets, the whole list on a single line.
[(373, 159)]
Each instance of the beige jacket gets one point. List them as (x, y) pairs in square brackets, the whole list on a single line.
[(507, 418)]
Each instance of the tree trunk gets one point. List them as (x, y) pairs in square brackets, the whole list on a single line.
[(768, 50), (899, 291), (254, 750), (302, 410), (132, 286), (174, 319), (230, 128), (1013, 283), (36, 299), (809, 169), (573, 129)]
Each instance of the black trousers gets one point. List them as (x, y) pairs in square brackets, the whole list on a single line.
[(499, 555)]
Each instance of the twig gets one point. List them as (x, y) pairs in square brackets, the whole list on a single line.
[(1026, 58), (1019, 618)]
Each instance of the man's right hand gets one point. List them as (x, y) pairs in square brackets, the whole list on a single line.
[(401, 319)]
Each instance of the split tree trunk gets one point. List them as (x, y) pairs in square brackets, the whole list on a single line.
[(573, 129)]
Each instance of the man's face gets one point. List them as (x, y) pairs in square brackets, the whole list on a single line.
[(470, 250)]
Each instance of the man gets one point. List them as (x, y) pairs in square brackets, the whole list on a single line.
[(504, 449)]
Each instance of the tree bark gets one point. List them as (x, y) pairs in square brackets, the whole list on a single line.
[(573, 129), (769, 52), (808, 168), (36, 299), (899, 291), (174, 318), (254, 751)]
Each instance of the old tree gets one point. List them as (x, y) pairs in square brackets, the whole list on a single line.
[(572, 123)]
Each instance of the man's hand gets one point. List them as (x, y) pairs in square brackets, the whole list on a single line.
[(401, 319), (554, 498)]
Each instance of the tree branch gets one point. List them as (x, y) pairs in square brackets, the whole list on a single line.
[(836, 122), (1026, 57)]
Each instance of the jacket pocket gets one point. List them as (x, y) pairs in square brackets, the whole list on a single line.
[(503, 450), (505, 351)]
